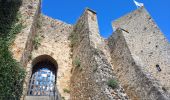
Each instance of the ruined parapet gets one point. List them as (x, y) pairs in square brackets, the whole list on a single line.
[(92, 71), (140, 56)]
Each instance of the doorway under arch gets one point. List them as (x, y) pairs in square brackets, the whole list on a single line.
[(43, 78)]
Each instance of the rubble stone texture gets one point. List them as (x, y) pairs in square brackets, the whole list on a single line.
[(137, 55), (146, 48)]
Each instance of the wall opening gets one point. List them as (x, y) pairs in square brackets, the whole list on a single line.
[(158, 67), (43, 78)]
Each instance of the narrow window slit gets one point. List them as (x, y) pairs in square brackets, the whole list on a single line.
[(158, 67)]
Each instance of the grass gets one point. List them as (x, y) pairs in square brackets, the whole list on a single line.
[(30, 57), (36, 41), (39, 23), (66, 90), (112, 83), (63, 98), (74, 39), (77, 62)]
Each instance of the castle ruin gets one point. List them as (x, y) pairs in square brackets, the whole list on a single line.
[(73, 62)]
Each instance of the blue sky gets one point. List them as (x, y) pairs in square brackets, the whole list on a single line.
[(107, 11)]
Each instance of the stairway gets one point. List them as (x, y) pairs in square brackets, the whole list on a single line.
[(41, 98)]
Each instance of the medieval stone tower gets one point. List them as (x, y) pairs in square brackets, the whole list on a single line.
[(73, 62)]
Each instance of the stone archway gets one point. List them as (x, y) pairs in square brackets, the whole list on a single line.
[(43, 78)]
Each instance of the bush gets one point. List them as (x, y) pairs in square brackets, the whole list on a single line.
[(30, 56), (76, 62), (11, 73), (39, 22), (112, 83), (73, 38), (36, 41), (63, 98), (66, 90)]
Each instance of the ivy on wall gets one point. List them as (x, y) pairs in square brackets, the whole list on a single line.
[(11, 72)]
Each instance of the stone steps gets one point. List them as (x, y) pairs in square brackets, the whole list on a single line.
[(41, 98)]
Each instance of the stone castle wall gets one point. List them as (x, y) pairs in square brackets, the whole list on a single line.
[(137, 82), (136, 51), (86, 62), (23, 43), (89, 78), (54, 42), (22, 46)]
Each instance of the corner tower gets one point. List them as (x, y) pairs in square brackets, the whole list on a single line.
[(141, 56)]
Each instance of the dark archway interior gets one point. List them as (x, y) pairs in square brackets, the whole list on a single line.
[(45, 58), (45, 64)]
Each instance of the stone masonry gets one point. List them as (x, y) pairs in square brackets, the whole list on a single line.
[(136, 56), (89, 80), (141, 45)]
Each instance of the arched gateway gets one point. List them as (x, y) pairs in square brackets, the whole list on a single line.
[(43, 78)]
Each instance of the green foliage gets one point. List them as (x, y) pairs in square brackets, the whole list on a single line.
[(112, 83), (16, 28), (76, 62), (63, 98), (73, 38), (30, 56), (36, 41), (39, 23), (66, 90), (11, 72)]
